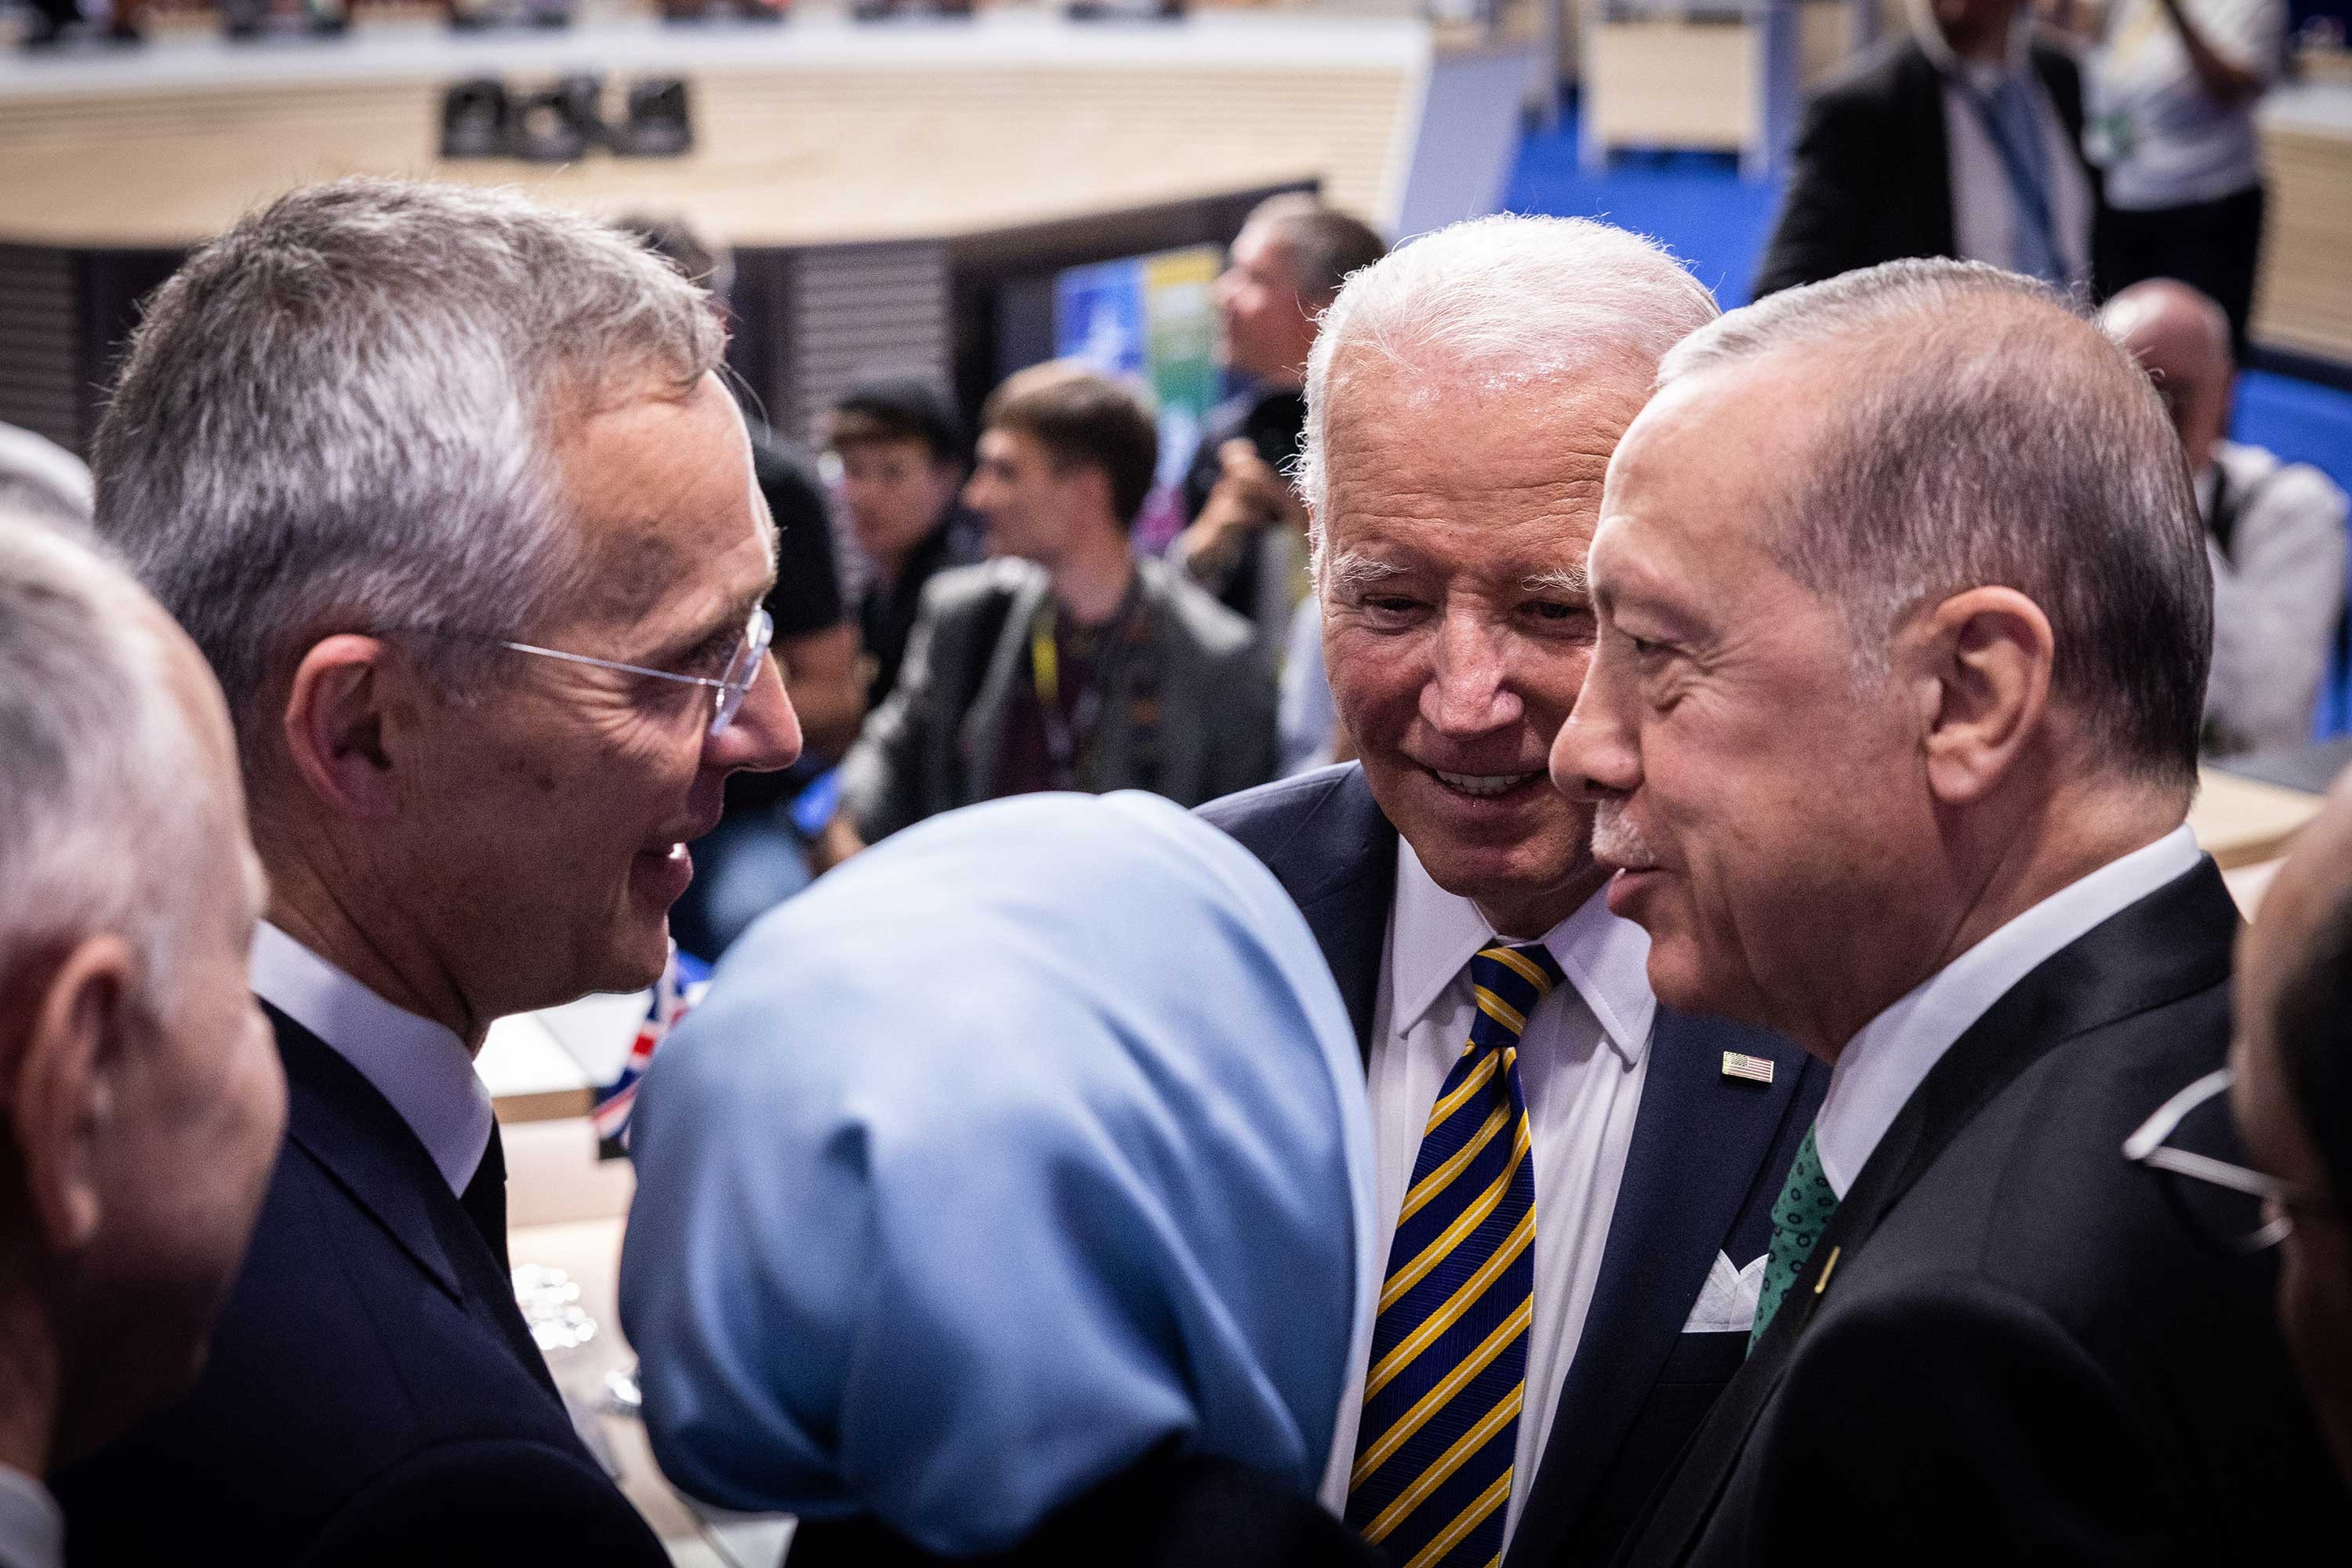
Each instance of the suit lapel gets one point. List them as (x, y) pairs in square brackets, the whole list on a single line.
[(337, 1118), (983, 727), (1340, 867), (2173, 943), (1701, 1142), (1919, 88), (339, 1121)]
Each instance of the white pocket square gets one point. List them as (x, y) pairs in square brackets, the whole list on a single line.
[(1726, 1302)]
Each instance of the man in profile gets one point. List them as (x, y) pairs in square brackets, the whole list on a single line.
[(1067, 663), (1890, 733), (1462, 403), (141, 1103), (445, 485)]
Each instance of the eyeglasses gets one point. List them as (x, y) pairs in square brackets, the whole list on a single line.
[(2232, 1208), (730, 687)]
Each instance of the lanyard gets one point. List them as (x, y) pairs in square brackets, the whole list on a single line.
[(1062, 731)]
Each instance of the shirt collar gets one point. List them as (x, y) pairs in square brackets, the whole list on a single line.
[(1605, 958), (1882, 1066), (422, 1068), (32, 1526)]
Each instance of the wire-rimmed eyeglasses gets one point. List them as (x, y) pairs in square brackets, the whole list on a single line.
[(2233, 1209), (731, 687)]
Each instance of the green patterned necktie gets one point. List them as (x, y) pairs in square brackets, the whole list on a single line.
[(1799, 1217)]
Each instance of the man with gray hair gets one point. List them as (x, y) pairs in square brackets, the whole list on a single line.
[(139, 1100), (445, 487), (1578, 1195), (1890, 733)]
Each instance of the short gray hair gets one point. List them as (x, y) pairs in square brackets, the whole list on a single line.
[(41, 480), (340, 416), (1986, 433), (1506, 300), (1326, 246), (104, 797)]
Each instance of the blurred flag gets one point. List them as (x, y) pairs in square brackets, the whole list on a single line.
[(673, 995)]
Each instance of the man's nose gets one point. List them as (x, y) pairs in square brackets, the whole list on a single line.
[(766, 734), (1595, 757), (1468, 689)]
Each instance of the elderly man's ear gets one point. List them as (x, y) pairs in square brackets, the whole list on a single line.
[(1980, 664), (64, 1048), (343, 712)]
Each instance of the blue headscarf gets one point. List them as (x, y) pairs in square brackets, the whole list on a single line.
[(1026, 1140)]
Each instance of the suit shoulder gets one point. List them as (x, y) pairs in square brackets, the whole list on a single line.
[(962, 590), (1218, 631), (1273, 811), (1875, 82)]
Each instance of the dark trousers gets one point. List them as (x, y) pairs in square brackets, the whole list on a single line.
[(2212, 246)]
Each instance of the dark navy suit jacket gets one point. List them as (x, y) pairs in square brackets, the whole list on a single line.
[(372, 1393), (1709, 1157)]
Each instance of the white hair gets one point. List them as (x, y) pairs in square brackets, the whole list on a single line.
[(340, 415), (104, 796), (1499, 302)]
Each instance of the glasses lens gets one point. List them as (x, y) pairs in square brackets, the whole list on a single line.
[(743, 669)]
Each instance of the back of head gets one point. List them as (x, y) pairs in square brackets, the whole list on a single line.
[(1504, 301), (101, 792), (339, 414), (1083, 417), (144, 1103), (1025, 1143), (1982, 433)]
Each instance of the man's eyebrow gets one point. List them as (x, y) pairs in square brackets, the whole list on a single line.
[(1559, 579), (1350, 569)]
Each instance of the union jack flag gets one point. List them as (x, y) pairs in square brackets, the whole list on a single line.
[(675, 994)]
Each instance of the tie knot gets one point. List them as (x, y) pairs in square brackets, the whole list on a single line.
[(1509, 981)]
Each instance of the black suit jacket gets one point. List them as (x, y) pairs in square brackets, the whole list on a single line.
[(372, 1393), (1709, 1157), (2021, 1353), (1871, 176)]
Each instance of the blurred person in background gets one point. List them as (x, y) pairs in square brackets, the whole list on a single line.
[(770, 842), (2173, 89), (1286, 264), (1961, 137), (445, 485), (2274, 530), (900, 444), (141, 1103), (1072, 1269), (2291, 1067), (1067, 663)]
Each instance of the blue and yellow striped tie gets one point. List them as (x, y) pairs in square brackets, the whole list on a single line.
[(1449, 1360)]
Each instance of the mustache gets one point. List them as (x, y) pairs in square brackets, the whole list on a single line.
[(1615, 840)]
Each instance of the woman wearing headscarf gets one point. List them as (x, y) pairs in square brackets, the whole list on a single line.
[(1010, 1195)]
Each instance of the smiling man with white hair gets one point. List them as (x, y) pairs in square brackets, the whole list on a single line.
[(1573, 1230), (445, 486)]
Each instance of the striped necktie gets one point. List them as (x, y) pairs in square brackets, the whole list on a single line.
[(1449, 1358)]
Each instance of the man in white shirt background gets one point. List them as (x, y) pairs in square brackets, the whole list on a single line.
[(442, 484), (1462, 401), (2273, 530), (141, 1102), (1891, 732)]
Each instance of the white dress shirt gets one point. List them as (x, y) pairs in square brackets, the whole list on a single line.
[(420, 1067), (1882, 1066), (32, 1526), (1984, 208), (1581, 1061)]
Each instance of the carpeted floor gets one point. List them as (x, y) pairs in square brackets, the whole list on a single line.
[(1696, 203)]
